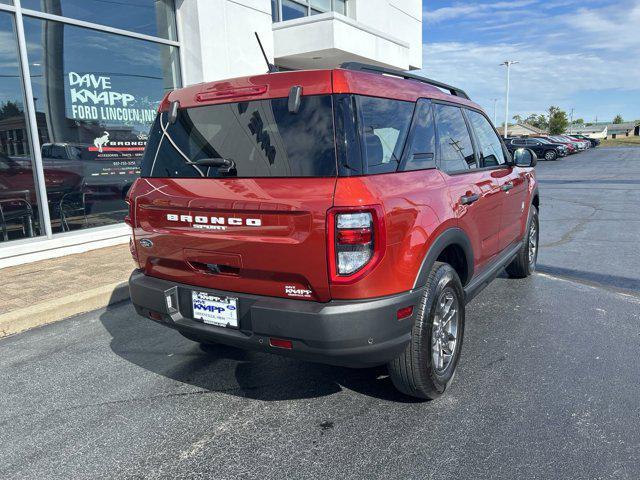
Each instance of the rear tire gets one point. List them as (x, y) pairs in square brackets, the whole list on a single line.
[(525, 262), (427, 366)]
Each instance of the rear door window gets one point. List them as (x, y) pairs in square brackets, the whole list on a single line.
[(490, 146), (422, 146), (454, 142), (385, 124), (246, 140)]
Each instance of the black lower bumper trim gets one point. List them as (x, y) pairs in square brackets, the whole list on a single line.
[(348, 333)]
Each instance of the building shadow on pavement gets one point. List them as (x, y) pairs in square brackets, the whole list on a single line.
[(232, 371)]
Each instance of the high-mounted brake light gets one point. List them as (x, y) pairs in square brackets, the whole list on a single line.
[(356, 239), (231, 93)]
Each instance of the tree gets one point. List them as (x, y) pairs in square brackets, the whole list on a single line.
[(558, 121), (579, 121), (10, 109), (538, 121), (618, 119), (517, 118)]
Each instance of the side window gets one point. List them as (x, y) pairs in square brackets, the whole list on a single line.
[(518, 142), (491, 153), (421, 154), (454, 141), (58, 152), (532, 143), (385, 125)]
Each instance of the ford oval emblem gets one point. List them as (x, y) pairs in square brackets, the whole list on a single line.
[(146, 243)]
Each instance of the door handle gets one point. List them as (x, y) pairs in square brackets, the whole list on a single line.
[(469, 199), (506, 187)]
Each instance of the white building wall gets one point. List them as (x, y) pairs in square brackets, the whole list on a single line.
[(218, 39), (401, 19)]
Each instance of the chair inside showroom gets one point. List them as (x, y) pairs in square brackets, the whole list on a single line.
[(73, 207), (15, 211)]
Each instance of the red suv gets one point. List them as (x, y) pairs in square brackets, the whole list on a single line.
[(341, 216)]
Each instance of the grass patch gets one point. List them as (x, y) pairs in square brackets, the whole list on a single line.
[(621, 142)]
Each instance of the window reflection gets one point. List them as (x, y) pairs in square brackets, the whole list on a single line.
[(456, 149), (18, 194), (149, 17), (96, 95)]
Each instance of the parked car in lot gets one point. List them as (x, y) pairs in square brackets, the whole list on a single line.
[(548, 151), (572, 147), (585, 145), (578, 144), (593, 141), (564, 151), (269, 218)]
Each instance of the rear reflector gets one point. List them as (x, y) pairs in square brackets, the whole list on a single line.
[(280, 343), (354, 236), (155, 316), (405, 312)]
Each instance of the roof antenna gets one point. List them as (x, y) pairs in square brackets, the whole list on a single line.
[(272, 68)]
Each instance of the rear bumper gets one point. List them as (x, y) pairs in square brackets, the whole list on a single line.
[(348, 333)]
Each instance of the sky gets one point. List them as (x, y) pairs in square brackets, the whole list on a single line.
[(582, 55)]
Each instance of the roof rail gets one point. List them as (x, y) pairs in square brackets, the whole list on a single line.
[(363, 67)]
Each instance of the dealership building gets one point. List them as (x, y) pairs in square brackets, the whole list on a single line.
[(81, 81)]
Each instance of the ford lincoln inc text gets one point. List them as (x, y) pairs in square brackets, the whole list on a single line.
[(341, 216)]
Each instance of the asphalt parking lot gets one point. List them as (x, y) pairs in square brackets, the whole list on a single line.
[(548, 384)]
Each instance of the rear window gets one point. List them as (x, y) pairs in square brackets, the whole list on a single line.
[(249, 139), (385, 124)]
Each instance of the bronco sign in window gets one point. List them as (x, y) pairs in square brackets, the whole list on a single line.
[(96, 96)]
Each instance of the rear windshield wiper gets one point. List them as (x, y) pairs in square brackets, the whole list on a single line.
[(213, 162)]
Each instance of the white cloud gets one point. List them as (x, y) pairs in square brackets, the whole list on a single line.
[(541, 79), (472, 10), (615, 29), (585, 50)]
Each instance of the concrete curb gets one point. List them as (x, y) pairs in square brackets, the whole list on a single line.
[(60, 308)]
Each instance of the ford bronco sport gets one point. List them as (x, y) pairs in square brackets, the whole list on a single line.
[(340, 216)]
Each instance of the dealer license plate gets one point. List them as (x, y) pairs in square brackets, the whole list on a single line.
[(212, 310)]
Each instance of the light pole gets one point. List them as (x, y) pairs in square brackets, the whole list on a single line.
[(507, 64), (571, 124)]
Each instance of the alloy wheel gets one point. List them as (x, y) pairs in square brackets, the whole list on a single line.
[(444, 332), (533, 242)]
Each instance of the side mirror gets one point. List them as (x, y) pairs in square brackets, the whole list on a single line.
[(525, 157)]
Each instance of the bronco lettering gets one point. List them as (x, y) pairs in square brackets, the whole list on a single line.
[(201, 221)]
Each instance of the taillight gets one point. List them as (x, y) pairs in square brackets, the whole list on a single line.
[(133, 251), (356, 239), (129, 219), (164, 104)]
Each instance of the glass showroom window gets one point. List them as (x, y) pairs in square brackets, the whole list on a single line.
[(19, 206), (148, 17), (96, 95), (282, 10)]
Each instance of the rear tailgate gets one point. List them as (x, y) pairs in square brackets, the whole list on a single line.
[(262, 236), (236, 184)]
